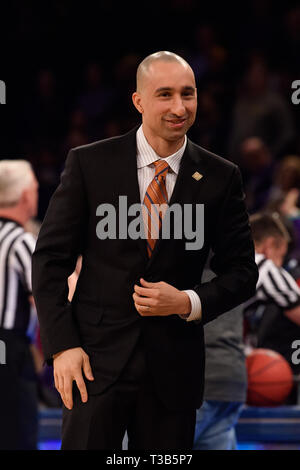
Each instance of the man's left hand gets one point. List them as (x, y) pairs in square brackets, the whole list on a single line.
[(160, 299)]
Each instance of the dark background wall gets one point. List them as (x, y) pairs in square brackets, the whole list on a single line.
[(70, 70)]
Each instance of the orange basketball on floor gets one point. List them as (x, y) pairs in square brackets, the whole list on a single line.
[(270, 378)]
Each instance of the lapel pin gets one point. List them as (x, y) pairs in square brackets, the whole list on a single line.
[(197, 176)]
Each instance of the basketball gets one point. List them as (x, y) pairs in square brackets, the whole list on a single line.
[(270, 378)]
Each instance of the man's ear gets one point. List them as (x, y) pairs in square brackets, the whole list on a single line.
[(136, 99), (25, 197)]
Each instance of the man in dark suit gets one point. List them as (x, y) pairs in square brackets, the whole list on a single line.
[(132, 337)]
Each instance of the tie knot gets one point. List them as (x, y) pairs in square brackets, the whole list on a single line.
[(161, 167)]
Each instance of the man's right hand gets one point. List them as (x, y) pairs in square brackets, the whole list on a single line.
[(68, 367)]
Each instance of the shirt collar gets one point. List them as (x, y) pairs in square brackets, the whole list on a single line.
[(8, 219), (258, 257), (147, 155)]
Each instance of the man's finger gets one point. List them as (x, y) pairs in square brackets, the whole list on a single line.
[(87, 368), (147, 292), (82, 388), (60, 388), (143, 301), (67, 392), (144, 311), (148, 284), (56, 381)]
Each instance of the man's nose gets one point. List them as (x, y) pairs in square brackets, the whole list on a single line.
[(178, 107)]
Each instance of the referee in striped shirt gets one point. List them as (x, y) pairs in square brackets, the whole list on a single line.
[(273, 314), (18, 391)]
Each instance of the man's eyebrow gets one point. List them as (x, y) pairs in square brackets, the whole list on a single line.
[(189, 88), (163, 88), (166, 88)]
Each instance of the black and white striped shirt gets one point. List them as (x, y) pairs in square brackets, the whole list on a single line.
[(275, 285), (16, 248)]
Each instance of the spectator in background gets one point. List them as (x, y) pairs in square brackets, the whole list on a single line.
[(45, 160), (95, 100), (262, 112), (208, 118), (208, 54), (257, 168), (273, 314), (45, 117), (210, 61), (286, 185), (18, 391), (258, 28), (124, 80), (288, 50), (225, 381), (285, 197), (78, 131)]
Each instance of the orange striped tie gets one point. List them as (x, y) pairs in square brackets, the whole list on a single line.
[(155, 204)]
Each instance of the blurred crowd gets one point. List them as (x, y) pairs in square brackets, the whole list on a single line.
[(81, 71), (244, 72)]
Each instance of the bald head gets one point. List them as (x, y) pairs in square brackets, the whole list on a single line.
[(166, 97), (144, 68)]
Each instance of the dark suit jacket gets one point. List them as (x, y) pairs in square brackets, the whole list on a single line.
[(102, 318)]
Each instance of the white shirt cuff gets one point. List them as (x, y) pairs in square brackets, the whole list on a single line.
[(196, 308)]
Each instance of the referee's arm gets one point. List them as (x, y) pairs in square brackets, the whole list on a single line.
[(282, 289), (293, 313), (23, 250)]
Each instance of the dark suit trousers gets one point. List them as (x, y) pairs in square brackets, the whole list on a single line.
[(129, 404)]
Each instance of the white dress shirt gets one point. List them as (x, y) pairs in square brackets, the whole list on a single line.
[(146, 155)]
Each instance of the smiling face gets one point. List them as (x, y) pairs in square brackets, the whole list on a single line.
[(167, 100)]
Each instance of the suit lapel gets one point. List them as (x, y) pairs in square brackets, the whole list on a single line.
[(186, 186), (127, 181)]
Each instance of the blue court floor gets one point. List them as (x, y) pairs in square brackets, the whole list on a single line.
[(258, 428)]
